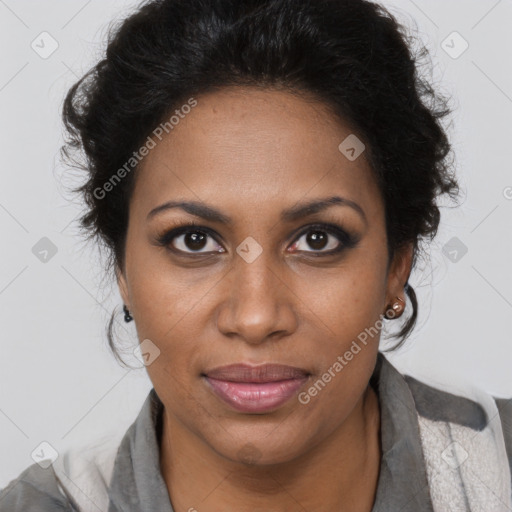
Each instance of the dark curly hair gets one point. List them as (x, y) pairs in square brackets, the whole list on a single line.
[(352, 55)]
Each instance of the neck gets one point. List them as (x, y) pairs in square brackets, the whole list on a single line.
[(343, 470)]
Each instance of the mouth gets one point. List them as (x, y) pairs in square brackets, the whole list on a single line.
[(255, 389)]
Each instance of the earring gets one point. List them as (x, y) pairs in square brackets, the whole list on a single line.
[(127, 316), (396, 308)]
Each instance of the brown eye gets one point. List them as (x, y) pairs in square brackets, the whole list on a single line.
[(317, 240), (190, 239), (195, 241), (324, 239)]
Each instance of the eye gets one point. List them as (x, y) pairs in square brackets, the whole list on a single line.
[(195, 241), (190, 239), (324, 239)]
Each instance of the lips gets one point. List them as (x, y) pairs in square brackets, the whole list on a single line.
[(255, 389)]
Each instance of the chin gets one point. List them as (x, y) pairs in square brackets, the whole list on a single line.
[(267, 449)]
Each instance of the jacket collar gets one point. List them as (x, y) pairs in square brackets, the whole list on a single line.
[(137, 482), (403, 483)]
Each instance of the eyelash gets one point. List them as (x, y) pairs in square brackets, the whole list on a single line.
[(347, 240)]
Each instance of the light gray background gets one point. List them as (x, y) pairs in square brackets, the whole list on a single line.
[(58, 381)]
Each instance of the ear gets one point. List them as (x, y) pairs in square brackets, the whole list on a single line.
[(123, 287), (399, 272)]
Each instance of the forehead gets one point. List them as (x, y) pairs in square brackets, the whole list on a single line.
[(248, 145)]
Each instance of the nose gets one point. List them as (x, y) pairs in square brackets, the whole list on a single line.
[(259, 303)]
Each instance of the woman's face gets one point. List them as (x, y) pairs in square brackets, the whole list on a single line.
[(258, 281)]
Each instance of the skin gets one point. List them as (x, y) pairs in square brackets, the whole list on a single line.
[(252, 153)]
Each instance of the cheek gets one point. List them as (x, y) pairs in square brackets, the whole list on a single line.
[(345, 301), (346, 326), (344, 315), (165, 296)]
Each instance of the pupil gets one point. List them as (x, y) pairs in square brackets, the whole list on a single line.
[(195, 240), (317, 239)]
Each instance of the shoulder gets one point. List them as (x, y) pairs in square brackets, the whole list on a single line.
[(465, 436), (437, 404), (35, 489), (79, 476), (465, 409)]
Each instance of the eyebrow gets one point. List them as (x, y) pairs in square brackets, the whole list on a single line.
[(296, 212)]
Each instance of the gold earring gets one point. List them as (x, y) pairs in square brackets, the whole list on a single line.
[(396, 307)]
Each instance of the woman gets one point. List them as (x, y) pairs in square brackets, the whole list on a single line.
[(262, 173)]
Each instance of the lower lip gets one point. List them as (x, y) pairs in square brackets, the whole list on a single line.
[(255, 396)]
